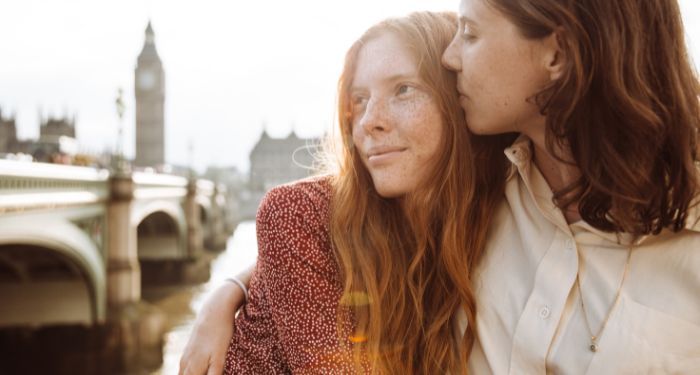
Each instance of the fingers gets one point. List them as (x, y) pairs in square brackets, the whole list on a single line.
[(196, 370), (205, 351), (183, 364), (193, 365), (216, 370), (216, 362)]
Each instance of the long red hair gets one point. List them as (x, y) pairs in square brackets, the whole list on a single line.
[(413, 262)]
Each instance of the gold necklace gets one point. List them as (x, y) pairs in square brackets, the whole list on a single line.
[(594, 337)]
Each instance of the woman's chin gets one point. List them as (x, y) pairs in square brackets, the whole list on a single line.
[(485, 129), (389, 191)]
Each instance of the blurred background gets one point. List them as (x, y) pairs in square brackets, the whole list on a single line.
[(136, 139)]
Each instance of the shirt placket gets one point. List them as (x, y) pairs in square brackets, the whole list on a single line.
[(538, 323), (554, 278)]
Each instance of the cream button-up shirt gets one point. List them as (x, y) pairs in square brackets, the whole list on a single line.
[(530, 319)]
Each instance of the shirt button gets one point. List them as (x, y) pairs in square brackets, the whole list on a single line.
[(544, 312), (569, 245)]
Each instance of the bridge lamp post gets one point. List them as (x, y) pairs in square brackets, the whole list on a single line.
[(121, 164)]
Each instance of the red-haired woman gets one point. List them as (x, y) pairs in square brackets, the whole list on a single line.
[(369, 268)]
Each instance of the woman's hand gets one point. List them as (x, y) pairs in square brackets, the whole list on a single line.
[(205, 351)]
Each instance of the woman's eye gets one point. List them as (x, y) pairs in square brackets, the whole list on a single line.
[(358, 103), (357, 100), (404, 89), (467, 33)]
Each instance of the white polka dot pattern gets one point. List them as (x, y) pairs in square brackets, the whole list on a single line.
[(290, 323)]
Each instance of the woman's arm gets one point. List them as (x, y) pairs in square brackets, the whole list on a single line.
[(206, 348)]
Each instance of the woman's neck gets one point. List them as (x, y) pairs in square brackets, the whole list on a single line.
[(558, 174)]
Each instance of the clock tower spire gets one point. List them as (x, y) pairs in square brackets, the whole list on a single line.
[(150, 104)]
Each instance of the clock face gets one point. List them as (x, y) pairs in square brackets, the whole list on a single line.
[(146, 80)]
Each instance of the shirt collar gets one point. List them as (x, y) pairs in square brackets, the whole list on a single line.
[(520, 152), (520, 155)]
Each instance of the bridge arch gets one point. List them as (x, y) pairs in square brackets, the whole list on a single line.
[(161, 230), (204, 205), (66, 248)]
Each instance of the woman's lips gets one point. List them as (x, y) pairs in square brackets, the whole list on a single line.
[(383, 155), (462, 95), (464, 101)]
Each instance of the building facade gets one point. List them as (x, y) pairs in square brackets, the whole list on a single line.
[(150, 105), (56, 144), (275, 161), (8, 135), (57, 127)]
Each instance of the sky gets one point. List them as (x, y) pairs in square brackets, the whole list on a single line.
[(233, 68)]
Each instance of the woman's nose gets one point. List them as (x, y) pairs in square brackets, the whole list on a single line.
[(376, 117), (450, 58)]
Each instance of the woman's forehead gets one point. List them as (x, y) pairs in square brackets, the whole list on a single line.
[(477, 13), (385, 58)]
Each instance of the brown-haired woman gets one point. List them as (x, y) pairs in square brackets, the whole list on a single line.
[(369, 268), (592, 264)]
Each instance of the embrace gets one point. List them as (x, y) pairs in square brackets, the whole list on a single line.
[(516, 191)]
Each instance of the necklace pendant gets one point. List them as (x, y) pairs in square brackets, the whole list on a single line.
[(593, 347)]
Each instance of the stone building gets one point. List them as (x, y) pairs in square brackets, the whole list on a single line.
[(275, 161), (150, 105), (56, 143), (8, 135), (57, 127)]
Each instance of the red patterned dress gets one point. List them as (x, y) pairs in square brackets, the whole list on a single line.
[(290, 322)]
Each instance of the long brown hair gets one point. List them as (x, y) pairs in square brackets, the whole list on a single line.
[(627, 107), (413, 261)]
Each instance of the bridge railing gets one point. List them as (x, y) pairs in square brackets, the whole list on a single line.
[(154, 185), (25, 186)]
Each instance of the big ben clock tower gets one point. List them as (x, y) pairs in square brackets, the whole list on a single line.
[(150, 101)]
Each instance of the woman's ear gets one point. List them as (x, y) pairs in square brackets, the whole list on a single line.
[(555, 58)]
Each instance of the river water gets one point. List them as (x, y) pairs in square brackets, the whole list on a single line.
[(181, 304)]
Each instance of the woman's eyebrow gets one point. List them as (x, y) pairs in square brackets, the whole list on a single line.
[(396, 77), (401, 76), (466, 20)]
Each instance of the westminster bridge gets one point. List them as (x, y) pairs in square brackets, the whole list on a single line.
[(76, 242)]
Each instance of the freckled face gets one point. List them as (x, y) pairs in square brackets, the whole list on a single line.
[(498, 71), (397, 126)]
